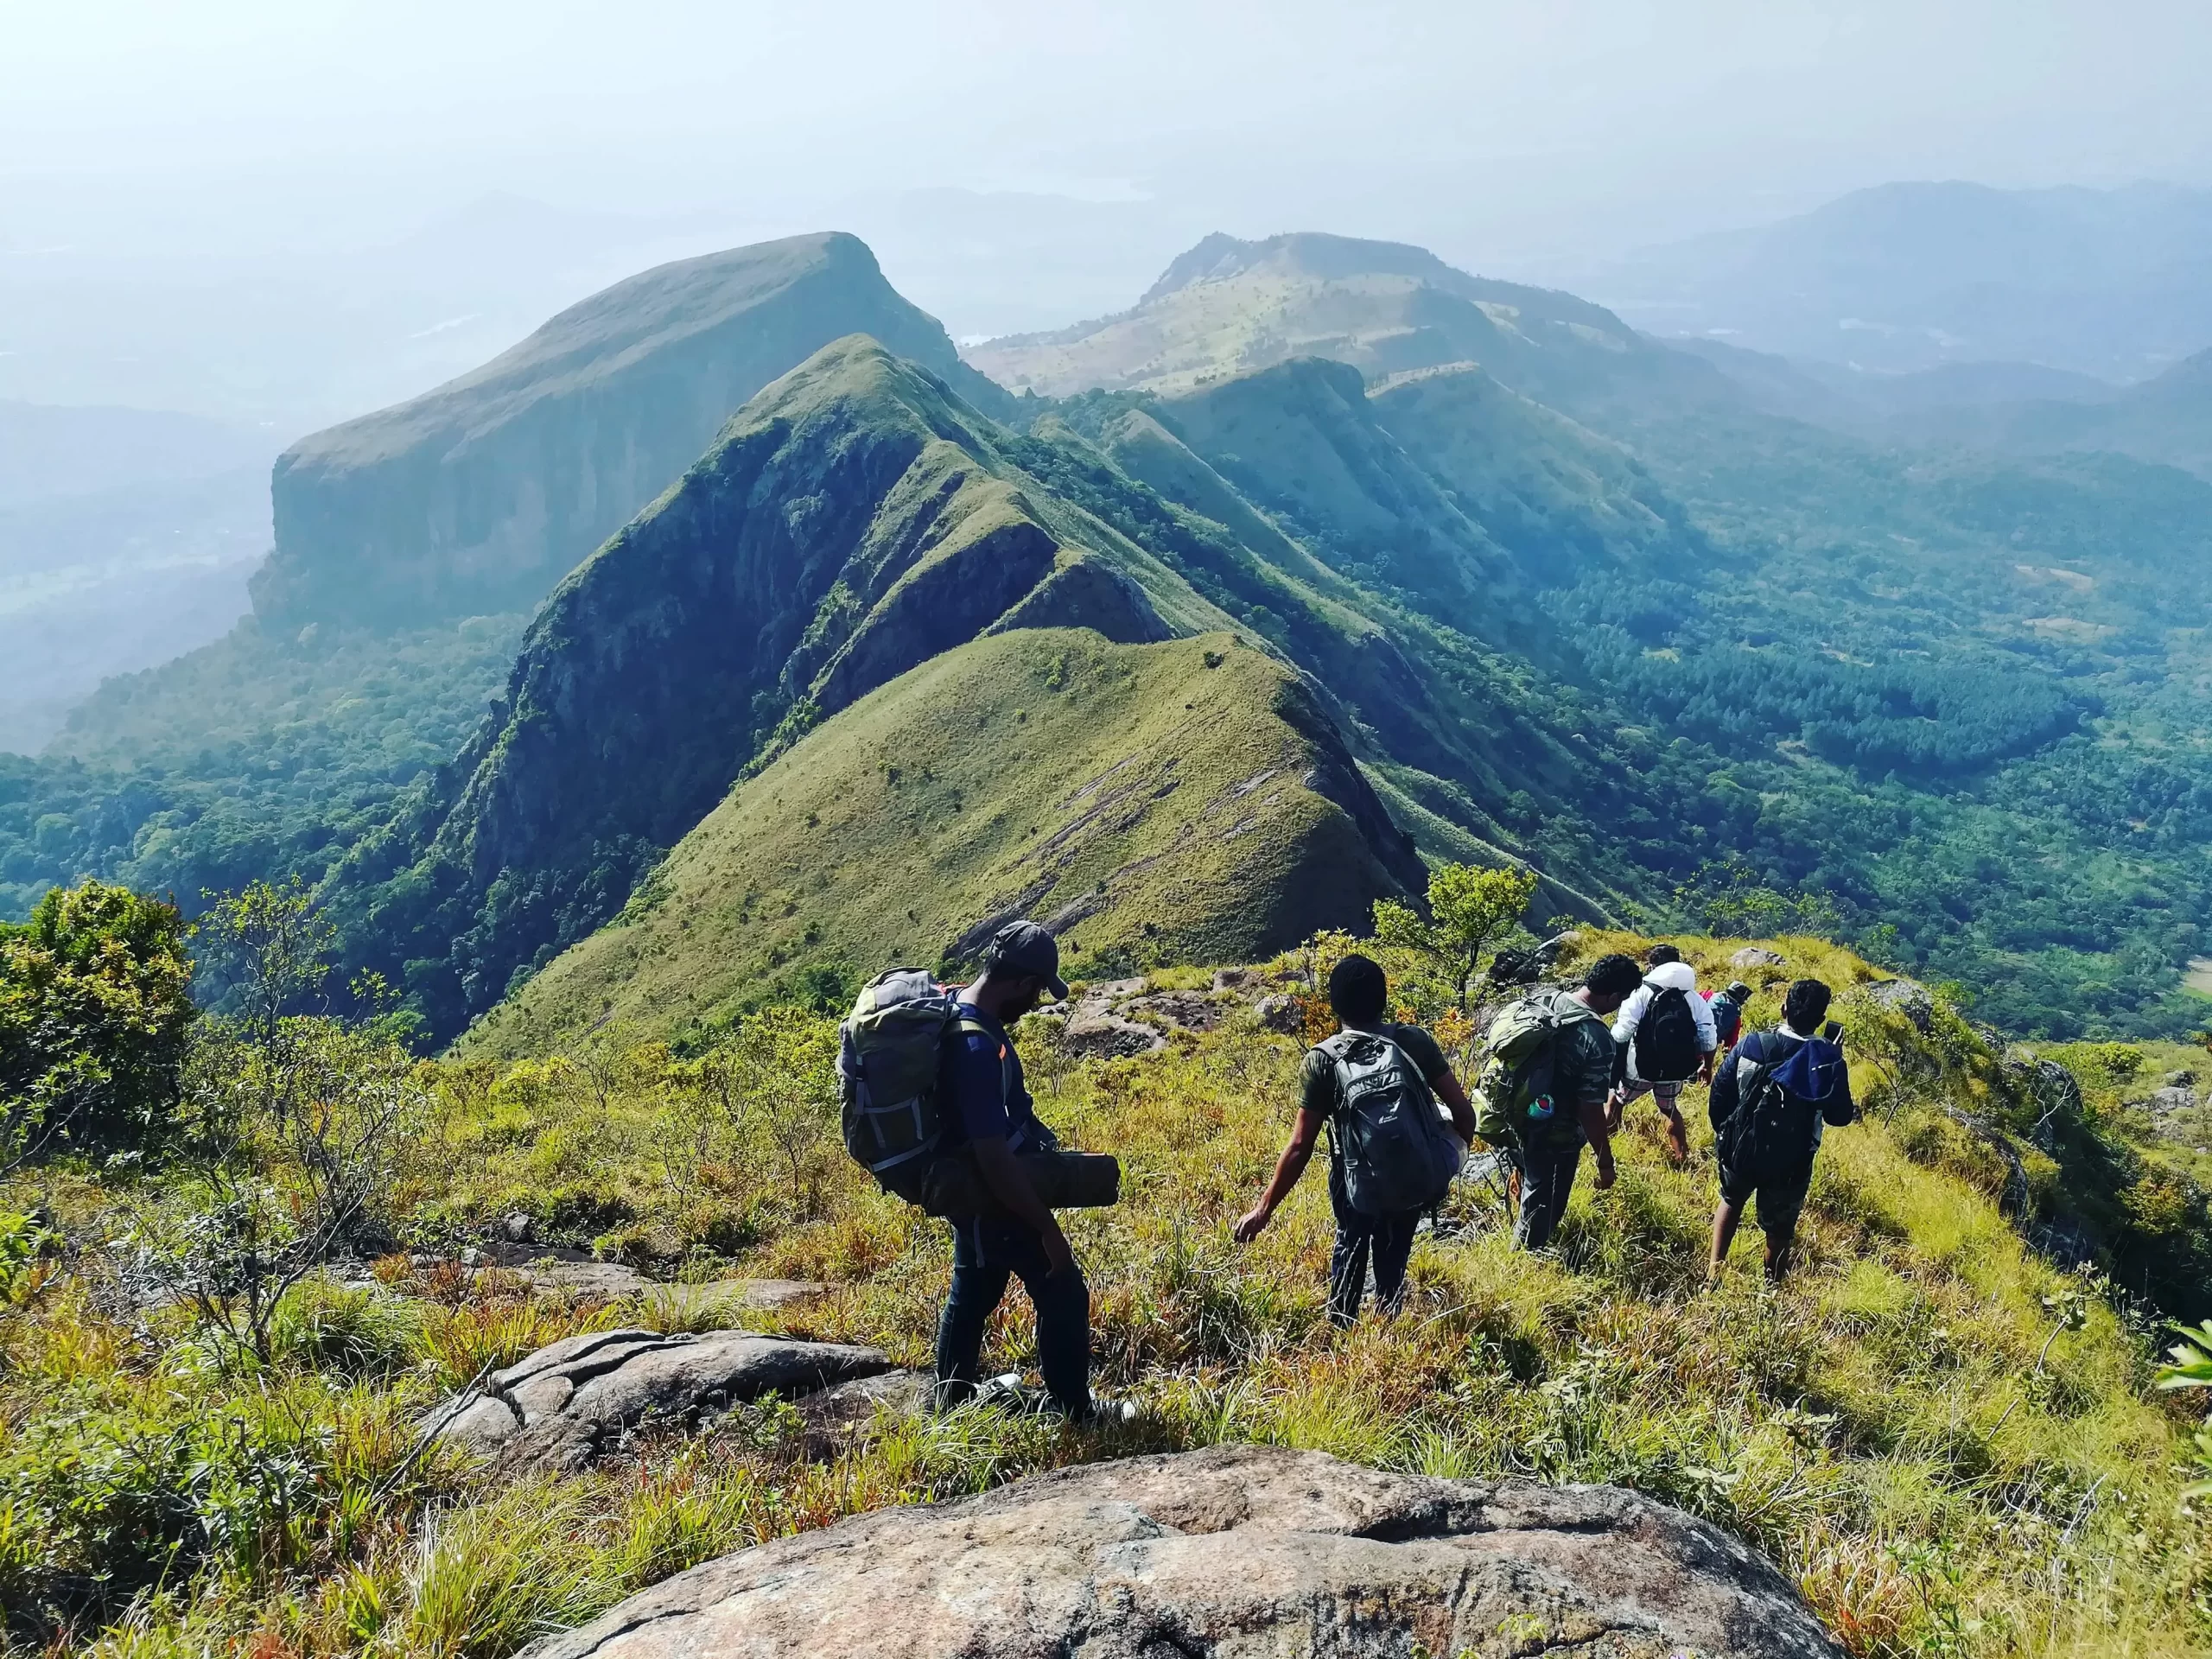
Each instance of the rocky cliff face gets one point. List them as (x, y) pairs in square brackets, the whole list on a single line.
[(479, 496)]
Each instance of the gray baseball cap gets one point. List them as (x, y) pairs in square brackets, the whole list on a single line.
[(1026, 948)]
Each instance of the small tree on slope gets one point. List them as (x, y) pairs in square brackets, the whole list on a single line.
[(1471, 910)]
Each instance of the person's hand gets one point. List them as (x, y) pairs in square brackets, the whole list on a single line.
[(1705, 1068), (1057, 1255), (1605, 1176), (1249, 1224), (1616, 1103), (1678, 1140)]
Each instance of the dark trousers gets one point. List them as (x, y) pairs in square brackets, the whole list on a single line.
[(985, 1256), (1386, 1240), (1546, 1180)]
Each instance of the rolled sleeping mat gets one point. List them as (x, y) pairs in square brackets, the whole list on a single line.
[(1063, 1181)]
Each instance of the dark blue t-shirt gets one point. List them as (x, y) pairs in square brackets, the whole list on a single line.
[(980, 1085)]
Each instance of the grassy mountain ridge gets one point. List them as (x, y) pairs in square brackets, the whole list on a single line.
[(1180, 801), (853, 521), (1631, 636)]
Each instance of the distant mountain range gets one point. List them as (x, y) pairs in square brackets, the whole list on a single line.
[(1435, 566), (2112, 284), (126, 537)]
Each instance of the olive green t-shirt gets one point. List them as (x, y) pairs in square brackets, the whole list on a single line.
[(1318, 1091)]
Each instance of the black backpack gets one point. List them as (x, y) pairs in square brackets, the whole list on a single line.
[(1397, 1154), (1774, 1129), (1666, 1045)]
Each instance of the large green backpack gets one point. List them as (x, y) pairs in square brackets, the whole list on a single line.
[(1513, 1096)]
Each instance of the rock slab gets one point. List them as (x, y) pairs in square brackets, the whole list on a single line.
[(571, 1401), (1231, 1552)]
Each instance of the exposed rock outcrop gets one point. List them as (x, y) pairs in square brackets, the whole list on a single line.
[(1232, 1553), (1907, 997), (572, 1401)]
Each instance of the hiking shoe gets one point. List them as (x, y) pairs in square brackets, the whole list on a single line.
[(1008, 1393), (1109, 1414)]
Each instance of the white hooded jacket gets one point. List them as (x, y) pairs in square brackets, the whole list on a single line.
[(1667, 976)]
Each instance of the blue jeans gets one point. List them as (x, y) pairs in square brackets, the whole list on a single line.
[(985, 1256), (1388, 1240)]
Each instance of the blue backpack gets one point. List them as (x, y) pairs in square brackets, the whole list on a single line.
[(1779, 1106)]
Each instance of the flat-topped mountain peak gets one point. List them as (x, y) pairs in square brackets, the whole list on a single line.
[(480, 494)]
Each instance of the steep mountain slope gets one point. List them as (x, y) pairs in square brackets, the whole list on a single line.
[(853, 521), (479, 496), (1909, 276), (1227, 307), (1441, 481), (1181, 801)]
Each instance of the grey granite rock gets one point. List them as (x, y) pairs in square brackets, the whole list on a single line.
[(572, 1401), (1232, 1553), (1908, 997)]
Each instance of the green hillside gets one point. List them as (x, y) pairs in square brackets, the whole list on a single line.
[(1226, 308), (1569, 597), (263, 755), (1184, 801)]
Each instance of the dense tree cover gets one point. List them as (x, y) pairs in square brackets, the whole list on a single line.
[(95, 1006), (256, 757), (1962, 702)]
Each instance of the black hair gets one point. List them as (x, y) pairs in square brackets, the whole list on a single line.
[(1662, 953), (1805, 1005), (1613, 976), (1357, 990)]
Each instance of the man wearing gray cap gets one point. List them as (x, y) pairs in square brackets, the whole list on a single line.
[(985, 1106)]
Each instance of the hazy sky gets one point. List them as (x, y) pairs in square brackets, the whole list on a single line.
[(214, 206), (1536, 129)]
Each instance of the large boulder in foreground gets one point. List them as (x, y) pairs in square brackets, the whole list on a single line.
[(1232, 1552), (573, 1400)]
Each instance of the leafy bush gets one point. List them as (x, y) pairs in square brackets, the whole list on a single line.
[(94, 1009)]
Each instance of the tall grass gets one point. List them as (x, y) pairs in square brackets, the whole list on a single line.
[(1945, 1458)]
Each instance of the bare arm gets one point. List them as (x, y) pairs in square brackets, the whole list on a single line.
[(1600, 1136), (1009, 1184), (1288, 1168), (1454, 1096)]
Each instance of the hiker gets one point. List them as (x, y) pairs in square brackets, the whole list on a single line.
[(1376, 1084), (987, 1109), (1665, 1038), (1728, 1014), (1546, 1087), (1777, 1093)]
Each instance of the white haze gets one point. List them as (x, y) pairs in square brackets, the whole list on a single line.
[(277, 213)]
